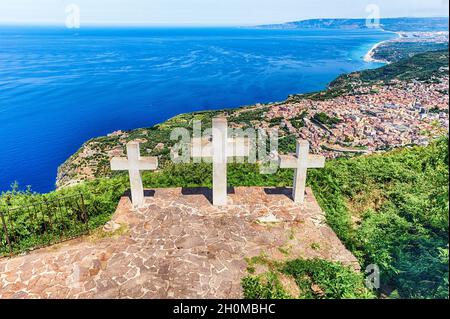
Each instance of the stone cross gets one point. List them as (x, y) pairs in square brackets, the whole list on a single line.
[(135, 164), (219, 149), (301, 162)]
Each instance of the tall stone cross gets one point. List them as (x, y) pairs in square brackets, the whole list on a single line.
[(301, 162), (219, 149), (135, 164)]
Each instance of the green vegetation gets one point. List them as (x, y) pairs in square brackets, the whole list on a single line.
[(428, 66), (315, 279), (288, 144), (266, 286), (276, 121), (248, 116), (396, 51), (29, 228), (421, 67), (437, 110), (299, 121), (390, 209), (326, 120)]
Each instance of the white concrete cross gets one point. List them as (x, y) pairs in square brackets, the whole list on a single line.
[(301, 162), (135, 164), (220, 149)]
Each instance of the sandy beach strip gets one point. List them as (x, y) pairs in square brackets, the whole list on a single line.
[(369, 57)]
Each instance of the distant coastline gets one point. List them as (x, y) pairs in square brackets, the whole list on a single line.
[(397, 26)]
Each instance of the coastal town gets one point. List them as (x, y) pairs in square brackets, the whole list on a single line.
[(397, 115)]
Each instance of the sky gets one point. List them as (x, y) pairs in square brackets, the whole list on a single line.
[(206, 12)]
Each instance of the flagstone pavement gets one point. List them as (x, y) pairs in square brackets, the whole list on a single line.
[(179, 246)]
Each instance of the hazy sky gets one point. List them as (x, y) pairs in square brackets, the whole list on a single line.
[(207, 12)]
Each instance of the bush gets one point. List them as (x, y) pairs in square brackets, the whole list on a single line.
[(392, 210), (326, 120), (316, 279), (265, 286), (100, 197)]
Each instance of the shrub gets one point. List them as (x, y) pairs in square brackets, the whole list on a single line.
[(316, 279), (266, 286)]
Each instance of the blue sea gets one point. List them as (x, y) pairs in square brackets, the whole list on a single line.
[(61, 87)]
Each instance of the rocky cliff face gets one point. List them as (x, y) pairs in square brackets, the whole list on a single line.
[(90, 162), (93, 158)]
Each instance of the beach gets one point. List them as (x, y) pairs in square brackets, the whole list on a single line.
[(369, 57)]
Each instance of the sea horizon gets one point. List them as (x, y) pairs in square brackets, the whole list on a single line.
[(192, 25), (63, 87)]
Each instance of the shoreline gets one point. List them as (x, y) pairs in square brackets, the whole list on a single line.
[(369, 57)]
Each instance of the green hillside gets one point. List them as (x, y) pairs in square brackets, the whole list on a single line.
[(428, 66), (421, 67), (396, 51), (390, 209)]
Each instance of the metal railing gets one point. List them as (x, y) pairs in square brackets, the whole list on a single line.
[(42, 224)]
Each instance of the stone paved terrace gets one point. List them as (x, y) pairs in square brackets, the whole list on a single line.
[(180, 246)]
